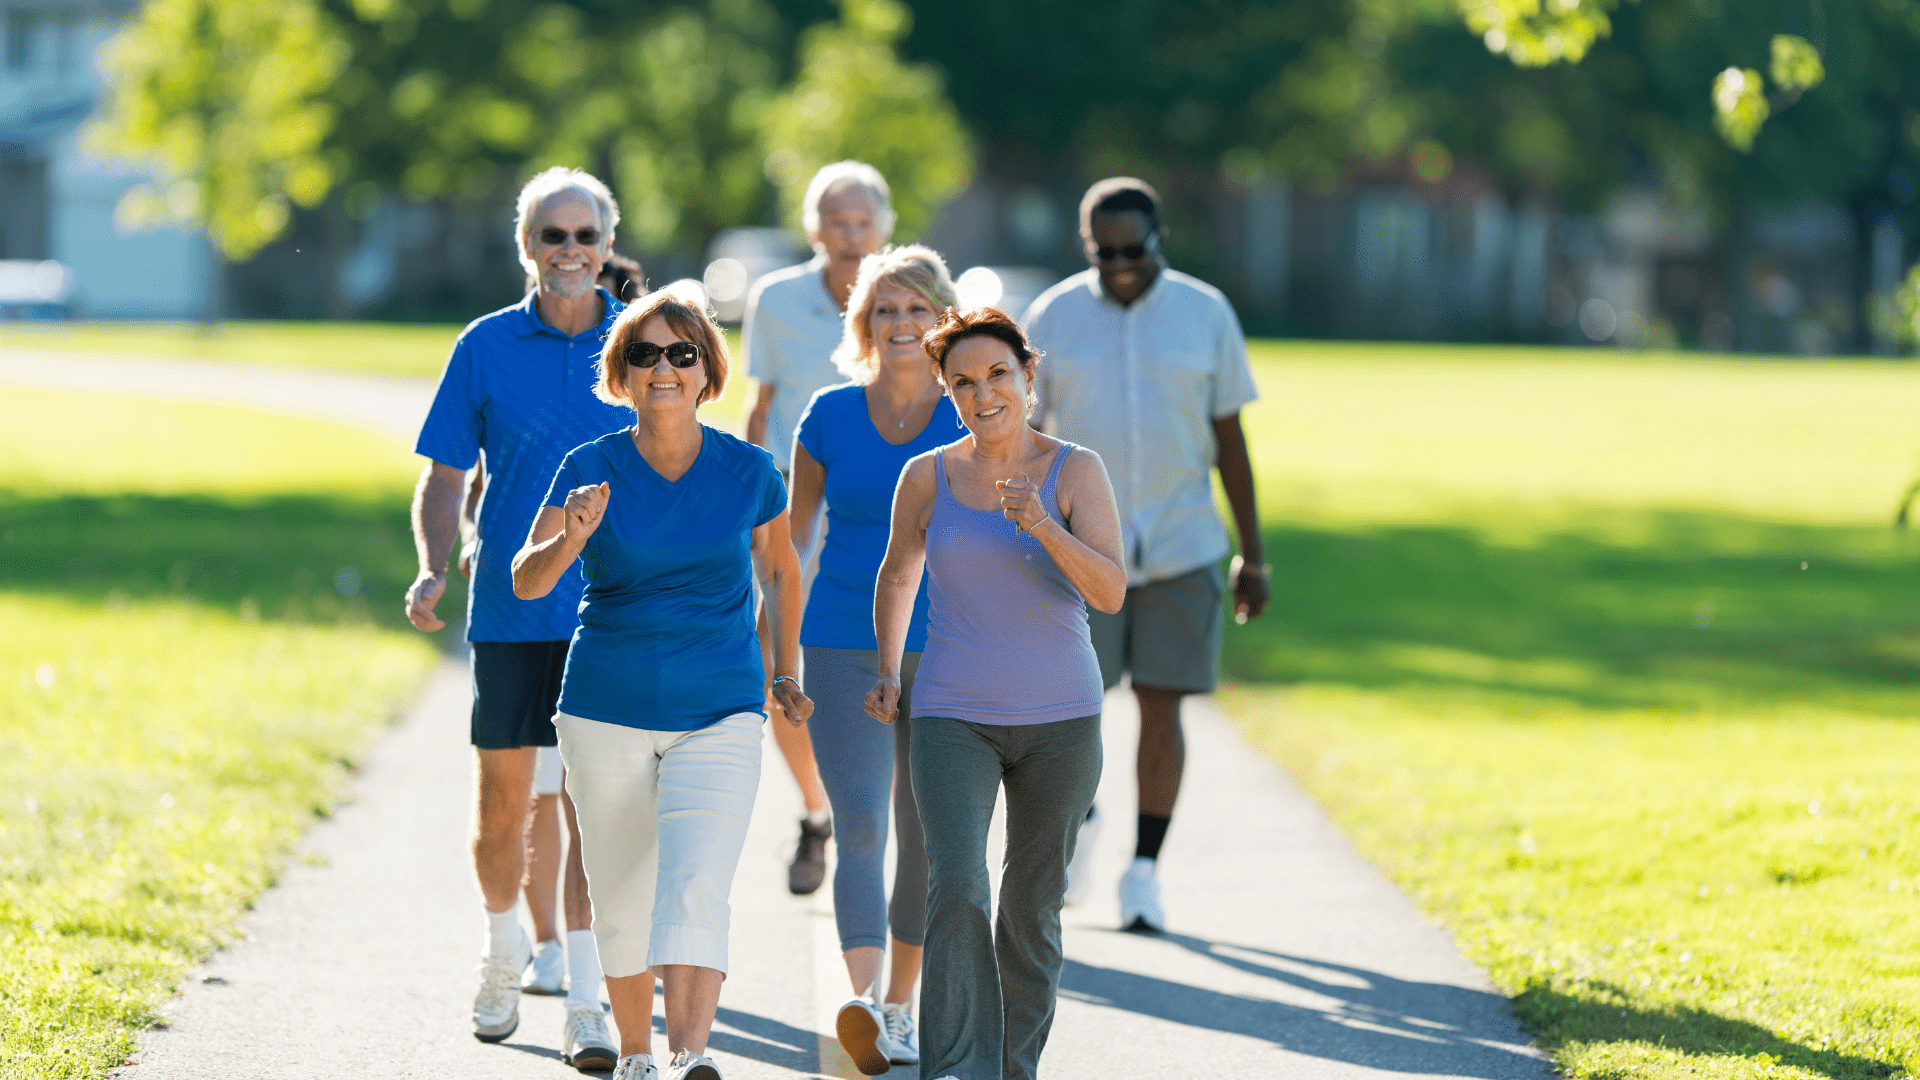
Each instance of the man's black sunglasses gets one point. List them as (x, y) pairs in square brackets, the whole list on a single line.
[(1131, 251), (553, 236), (645, 354)]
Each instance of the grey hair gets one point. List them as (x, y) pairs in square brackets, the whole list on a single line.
[(915, 267), (839, 176), (552, 182)]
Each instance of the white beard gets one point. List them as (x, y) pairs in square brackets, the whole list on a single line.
[(567, 286)]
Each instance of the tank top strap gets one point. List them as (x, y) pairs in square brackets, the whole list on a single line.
[(940, 490), (1059, 459)]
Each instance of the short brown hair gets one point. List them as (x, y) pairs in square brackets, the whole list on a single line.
[(956, 326), (687, 320)]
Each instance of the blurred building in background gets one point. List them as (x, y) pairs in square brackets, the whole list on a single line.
[(57, 198)]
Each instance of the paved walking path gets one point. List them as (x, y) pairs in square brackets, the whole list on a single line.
[(1291, 956)]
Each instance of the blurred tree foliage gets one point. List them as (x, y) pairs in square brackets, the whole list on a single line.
[(853, 98)]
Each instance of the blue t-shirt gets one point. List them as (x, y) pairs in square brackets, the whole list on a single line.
[(862, 471), (666, 639), (523, 392)]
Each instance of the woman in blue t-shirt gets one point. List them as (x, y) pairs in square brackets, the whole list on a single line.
[(660, 707), (851, 444)]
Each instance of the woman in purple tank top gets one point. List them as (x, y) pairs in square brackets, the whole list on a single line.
[(1008, 692)]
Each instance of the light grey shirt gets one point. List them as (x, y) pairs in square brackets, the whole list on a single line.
[(1141, 385), (788, 336)]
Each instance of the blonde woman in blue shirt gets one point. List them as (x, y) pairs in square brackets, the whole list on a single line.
[(852, 443)]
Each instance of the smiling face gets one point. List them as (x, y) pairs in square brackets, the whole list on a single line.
[(1123, 278), (566, 269), (900, 318), (664, 388), (988, 386), (849, 229)]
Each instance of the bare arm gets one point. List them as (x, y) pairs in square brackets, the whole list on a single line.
[(470, 516), (808, 491), (1086, 546), (1236, 476), (759, 407), (436, 525), (778, 568), (899, 582), (558, 536)]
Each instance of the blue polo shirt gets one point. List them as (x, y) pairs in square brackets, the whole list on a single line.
[(523, 392), (666, 639)]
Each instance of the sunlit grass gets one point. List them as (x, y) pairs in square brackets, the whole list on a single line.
[(198, 635), (1612, 663)]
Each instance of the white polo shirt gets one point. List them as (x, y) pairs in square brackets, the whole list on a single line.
[(1141, 385), (788, 336)]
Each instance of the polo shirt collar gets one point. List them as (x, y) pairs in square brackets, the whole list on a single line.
[(1099, 290), (527, 322)]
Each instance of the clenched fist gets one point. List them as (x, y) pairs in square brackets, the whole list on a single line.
[(585, 507)]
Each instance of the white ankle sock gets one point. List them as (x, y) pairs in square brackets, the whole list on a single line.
[(819, 818), (583, 969), (503, 932)]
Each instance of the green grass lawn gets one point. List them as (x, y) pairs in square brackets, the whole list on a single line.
[(1611, 662), (199, 632)]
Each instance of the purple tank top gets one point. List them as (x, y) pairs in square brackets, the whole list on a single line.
[(1007, 638)]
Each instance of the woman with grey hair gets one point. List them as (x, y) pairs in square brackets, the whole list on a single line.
[(853, 441), (792, 325)]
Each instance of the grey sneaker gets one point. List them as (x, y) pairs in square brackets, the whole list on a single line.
[(901, 1035), (548, 975), (863, 1035), (496, 1008), (688, 1065), (809, 866), (636, 1067), (587, 1045)]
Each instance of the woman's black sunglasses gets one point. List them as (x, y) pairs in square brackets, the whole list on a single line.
[(553, 236), (645, 354)]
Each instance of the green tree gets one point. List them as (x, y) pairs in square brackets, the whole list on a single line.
[(853, 97), (228, 97)]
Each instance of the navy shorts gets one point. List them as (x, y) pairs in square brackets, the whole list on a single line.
[(516, 691)]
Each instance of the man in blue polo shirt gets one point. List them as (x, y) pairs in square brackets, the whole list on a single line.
[(516, 396)]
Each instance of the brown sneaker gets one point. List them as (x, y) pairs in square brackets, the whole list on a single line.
[(809, 866)]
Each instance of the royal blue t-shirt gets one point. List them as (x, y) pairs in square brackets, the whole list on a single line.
[(666, 639), (862, 471), (523, 392)]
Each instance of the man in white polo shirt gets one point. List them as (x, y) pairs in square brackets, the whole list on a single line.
[(1148, 368), (793, 322)]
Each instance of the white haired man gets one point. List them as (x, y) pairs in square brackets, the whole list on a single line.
[(516, 396), (794, 321)]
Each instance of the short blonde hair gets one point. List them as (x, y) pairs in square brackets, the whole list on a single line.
[(692, 323), (913, 266), (840, 176)]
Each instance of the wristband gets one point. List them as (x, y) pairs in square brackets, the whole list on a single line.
[(777, 679)]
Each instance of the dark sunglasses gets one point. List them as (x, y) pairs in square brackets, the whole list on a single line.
[(645, 354), (553, 236), (1131, 251)]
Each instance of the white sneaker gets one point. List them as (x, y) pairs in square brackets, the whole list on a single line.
[(548, 975), (636, 1067), (688, 1065), (496, 1008), (1080, 870), (863, 1034), (1140, 909), (901, 1034), (588, 1046)]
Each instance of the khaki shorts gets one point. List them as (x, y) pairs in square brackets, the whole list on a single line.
[(1166, 635)]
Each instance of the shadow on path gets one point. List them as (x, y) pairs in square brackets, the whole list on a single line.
[(1342, 1013), (774, 1043)]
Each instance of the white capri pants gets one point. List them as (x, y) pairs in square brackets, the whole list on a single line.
[(663, 818), (546, 771)]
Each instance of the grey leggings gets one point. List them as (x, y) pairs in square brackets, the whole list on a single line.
[(863, 765), (986, 1003)]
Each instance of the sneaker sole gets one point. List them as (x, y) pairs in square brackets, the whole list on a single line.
[(860, 1038), (1140, 925), (494, 1037), (541, 991), (702, 1072), (600, 1059)]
